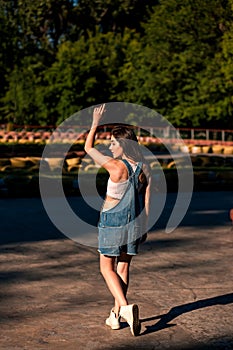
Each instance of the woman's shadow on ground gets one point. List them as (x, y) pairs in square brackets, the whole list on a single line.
[(181, 309)]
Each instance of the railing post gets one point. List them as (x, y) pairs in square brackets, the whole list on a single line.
[(166, 131), (223, 135)]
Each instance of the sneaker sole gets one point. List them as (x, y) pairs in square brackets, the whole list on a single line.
[(136, 326)]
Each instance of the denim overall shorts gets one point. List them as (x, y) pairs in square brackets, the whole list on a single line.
[(120, 227)]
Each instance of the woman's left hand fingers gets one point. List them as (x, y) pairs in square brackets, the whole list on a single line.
[(100, 110)]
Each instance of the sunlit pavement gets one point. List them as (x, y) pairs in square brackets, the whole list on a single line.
[(52, 295)]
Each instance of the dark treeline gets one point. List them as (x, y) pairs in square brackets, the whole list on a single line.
[(60, 56)]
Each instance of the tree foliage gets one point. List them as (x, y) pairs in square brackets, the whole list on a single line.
[(183, 53), (60, 56)]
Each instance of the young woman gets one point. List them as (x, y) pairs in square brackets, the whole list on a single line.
[(123, 218)]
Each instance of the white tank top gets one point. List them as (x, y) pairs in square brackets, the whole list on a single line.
[(117, 189)]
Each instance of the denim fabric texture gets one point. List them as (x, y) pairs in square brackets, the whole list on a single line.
[(120, 227)]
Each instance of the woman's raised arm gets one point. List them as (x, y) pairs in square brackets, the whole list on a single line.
[(97, 115), (105, 161)]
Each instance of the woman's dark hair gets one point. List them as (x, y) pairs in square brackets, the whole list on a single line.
[(131, 148), (129, 142)]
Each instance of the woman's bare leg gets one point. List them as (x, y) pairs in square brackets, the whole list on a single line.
[(113, 280), (123, 264)]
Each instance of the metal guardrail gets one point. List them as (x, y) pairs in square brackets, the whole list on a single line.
[(194, 135)]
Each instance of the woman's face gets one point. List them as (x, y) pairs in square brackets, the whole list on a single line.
[(115, 148)]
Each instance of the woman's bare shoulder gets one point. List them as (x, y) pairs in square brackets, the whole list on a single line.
[(118, 170)]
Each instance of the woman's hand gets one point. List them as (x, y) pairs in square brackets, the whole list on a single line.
[(97, 114), (96, 155)]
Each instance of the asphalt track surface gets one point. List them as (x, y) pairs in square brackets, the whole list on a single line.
[(52, 295)]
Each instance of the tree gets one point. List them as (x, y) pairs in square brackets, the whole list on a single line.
[(111, 15), (182, 41), (224, 68), (60, 56), (31, 32), (20, 103), (85, 73)]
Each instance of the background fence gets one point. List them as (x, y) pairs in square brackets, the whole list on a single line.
[(198, 136)]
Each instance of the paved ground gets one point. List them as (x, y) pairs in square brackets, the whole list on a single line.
[(52, 295)]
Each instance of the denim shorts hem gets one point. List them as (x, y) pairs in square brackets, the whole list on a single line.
[(117, 254)]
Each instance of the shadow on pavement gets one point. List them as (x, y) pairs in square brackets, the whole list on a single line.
[(181, 309)]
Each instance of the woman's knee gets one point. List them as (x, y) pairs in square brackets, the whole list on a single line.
[(123, 263), (106, 265), (122, 268)]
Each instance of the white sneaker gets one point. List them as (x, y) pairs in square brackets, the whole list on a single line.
[(131, 314), (113, 321)]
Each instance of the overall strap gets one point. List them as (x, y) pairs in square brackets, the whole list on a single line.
[(138, 169), (130, 170), (137, 173)]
